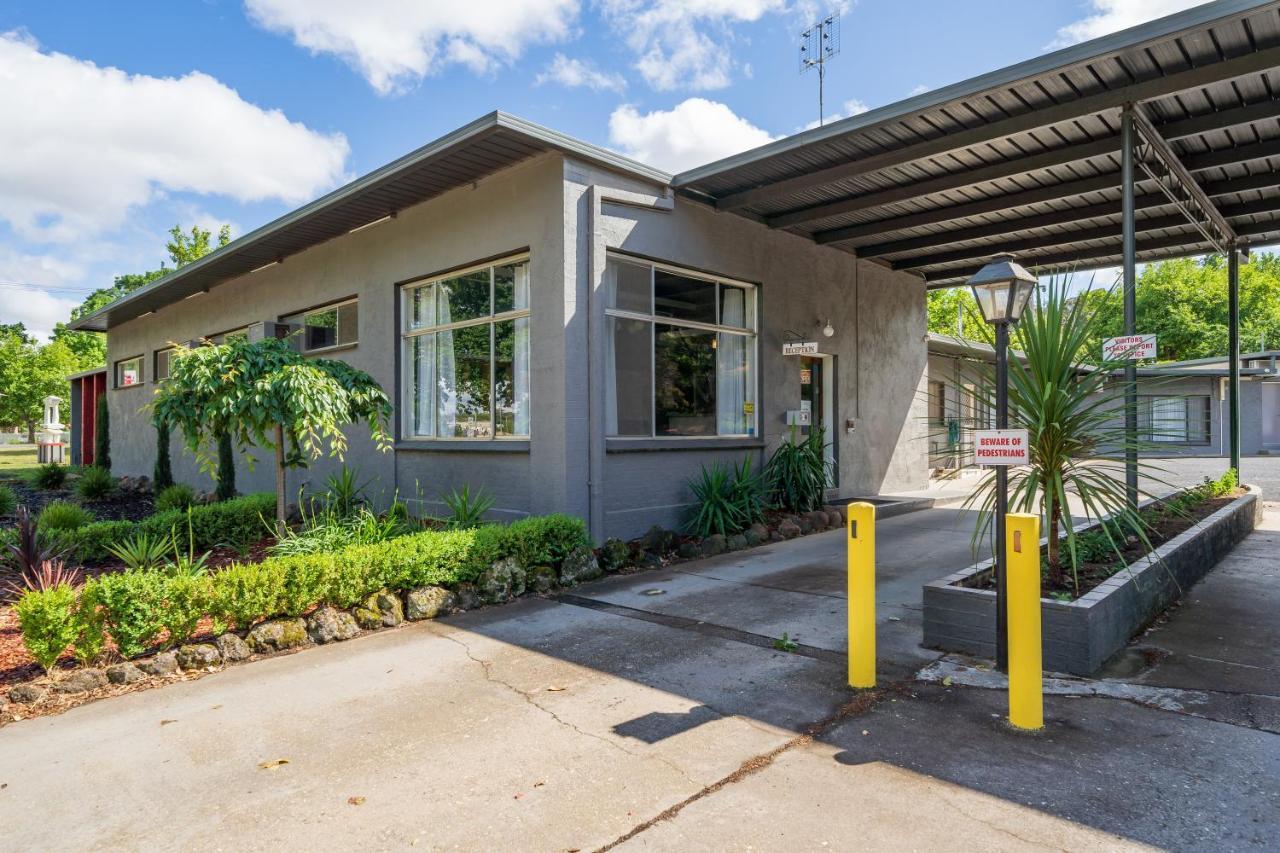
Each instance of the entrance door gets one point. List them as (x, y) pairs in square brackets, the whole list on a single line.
[(817, 397), (1271, 414)]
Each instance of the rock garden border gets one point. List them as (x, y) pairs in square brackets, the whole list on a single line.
[(1080, 636)]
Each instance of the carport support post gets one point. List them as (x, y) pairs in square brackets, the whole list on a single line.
[(1129, 229), (1233, 345)]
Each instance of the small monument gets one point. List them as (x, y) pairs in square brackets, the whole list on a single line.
[(51, 448)]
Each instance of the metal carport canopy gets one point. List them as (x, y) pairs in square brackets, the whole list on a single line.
[(1028, 159)]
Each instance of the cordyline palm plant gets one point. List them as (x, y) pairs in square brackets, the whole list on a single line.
[(1063, 394)]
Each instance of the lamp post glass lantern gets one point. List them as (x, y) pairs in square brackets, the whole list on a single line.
[(1002, 290)]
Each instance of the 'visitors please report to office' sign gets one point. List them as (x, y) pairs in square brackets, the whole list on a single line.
[(1001, 447)]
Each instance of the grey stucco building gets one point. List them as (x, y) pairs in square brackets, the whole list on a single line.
[(555, 324)]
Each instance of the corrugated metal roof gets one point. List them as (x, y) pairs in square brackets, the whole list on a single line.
[(479, 149), (1027, 159)]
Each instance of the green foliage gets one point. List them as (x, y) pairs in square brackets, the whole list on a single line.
[(750, 492), (953, 311), (133, 603), (8, 500), (246, 592), (1224, 485), (48, 621), (716, 508), (162, 475), (797, 472), (27, 549), (175, 496), (785, 643), (465, 509), (237, 523), (95, 483), (545, 540), (29, 372), (326, 529), (1074, 417), (102, 436), (344, 493), (49, 476), (61, 516), (186, 600), (91, 628), (225, 476), (143, 551)]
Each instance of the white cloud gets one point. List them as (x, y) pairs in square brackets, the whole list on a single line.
[(918, 89), (684, 43), (851, 107), (36, 290), (694, 132), (576, 73), (396, 43), (83, 144), (1109, 16)]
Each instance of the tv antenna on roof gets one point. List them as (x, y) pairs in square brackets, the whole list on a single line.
[(818, 45)]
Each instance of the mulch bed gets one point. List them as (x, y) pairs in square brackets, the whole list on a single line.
[(123, 505), (1164, 527)]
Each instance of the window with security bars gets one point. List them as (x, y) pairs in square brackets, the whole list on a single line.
[(1174, 420)]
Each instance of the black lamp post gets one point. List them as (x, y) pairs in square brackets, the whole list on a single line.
[(1002, 289)]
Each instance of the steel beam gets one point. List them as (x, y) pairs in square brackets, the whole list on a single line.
[(997, 204), (1233, 345), (1112, 99), (1129, 240)]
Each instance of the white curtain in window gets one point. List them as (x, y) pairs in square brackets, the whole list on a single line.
[(522, 414), (731, 365), (424, 383), (447, 375)]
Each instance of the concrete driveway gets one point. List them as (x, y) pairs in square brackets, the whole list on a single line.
[(642, 712)]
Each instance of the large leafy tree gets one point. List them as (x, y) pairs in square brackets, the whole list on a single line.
[(30, 372), (266, 394)]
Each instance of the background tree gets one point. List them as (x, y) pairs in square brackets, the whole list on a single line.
[(268, 395), (29, 373)]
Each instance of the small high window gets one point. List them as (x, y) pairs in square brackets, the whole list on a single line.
[(160, 371), (129, 371), (325, 328)]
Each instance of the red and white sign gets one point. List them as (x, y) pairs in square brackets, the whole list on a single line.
[(1129, 346), (1001, 447)]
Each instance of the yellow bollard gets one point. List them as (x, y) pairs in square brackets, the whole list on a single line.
[(862, 595), (1026, 687)]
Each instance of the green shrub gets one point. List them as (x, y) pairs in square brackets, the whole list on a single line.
[(95, 483), (226, 478), (49, 476), (61, 516), (467, 509), (246, 592), (175, 496), (48, 621), (797, 472), (545, 540), (8, 500), (237, 523), (327, 529), (186, 598), (162, 473), (102, 438), (91, 629), (133, 603), (143, 551), (715, 507)]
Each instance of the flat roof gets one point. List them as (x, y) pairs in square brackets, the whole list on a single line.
[(1027, 159), (474, 151)]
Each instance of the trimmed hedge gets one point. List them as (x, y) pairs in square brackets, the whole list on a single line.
[(236, 523), (137, 607)]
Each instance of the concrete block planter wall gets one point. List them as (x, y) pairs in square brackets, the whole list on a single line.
[(1079, 636)]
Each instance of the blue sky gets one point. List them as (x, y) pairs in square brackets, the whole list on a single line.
[(122, 119)]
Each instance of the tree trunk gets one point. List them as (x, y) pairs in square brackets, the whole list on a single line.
[(280, 484), (31, 432), (1056, 578)]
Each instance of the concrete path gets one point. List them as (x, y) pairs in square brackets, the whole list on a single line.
[(617, 717)]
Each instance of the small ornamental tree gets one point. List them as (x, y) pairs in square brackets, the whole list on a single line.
[(266, 394), (163, 473)]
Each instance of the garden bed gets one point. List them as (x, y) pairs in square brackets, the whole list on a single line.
[(1081, 634)]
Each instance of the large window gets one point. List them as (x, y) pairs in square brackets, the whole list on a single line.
[(1174, 420), (325, 328), (681, 353), (129, 371), (466, 354)]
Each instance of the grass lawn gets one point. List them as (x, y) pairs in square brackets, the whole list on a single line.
[(17, 462)]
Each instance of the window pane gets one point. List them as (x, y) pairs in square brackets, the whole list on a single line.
[(629, 398), (627, 286), (736, 308), (422, 307), (349, 323), (321, 330), (162, 364), (683, 298), (463, 298), (510, 288), (511, 376), (128, 372), (422, 381), (685, 375), (735, 385), (463, 377)]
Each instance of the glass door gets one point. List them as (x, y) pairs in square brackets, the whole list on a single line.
[(818, 399)]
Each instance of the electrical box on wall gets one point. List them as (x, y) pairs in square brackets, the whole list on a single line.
[(799, 417), (850, 424)]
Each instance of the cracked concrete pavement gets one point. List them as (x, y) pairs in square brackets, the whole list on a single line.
[(612, 718)]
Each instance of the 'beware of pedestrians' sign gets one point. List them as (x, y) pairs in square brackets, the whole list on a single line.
[(1129, 346), (1001, 447)]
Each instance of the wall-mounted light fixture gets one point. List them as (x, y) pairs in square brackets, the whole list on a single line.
[(828, 330)]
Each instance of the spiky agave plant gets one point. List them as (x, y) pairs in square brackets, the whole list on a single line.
[(1065, 396)]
